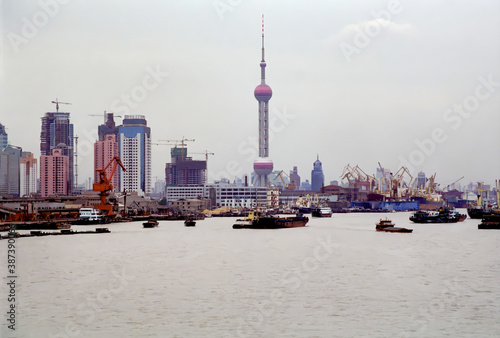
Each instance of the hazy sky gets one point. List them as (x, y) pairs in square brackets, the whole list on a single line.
[(359, 82)]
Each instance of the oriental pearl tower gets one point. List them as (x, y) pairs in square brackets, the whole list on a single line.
[(263, 166)]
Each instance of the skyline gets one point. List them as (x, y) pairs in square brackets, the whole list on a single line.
[(357, 83)]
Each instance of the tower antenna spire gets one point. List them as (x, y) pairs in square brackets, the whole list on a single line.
[(262, 37)]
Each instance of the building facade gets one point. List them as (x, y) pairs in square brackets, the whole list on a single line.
[(183, 170), (28, 176), (54, 174), (134, 142), (295, 178), (10, 157), (104, 152), (57, 132), (225, 194), (317, 177), (4, 141)]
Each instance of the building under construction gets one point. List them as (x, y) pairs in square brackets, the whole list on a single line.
[(183, 170)]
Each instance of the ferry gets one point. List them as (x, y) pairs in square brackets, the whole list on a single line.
[(90, 216)]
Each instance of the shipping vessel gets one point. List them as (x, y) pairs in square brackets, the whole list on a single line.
[(255, 221), (443, 215)]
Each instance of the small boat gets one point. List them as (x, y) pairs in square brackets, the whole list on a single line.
[(386, 225), (491, 222), (152, 223), (321, 212), (189, 222), (64, 226)]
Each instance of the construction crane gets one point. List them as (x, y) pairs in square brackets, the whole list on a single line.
[(57, 102), (103, 187), (176, 142), (206, 153), (105, 119)]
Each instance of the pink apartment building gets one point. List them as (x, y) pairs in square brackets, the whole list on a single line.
[(104, 151), (54, 174)]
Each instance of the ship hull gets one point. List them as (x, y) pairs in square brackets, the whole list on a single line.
[(273, 223)]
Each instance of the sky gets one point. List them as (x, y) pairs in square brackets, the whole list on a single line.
[(403, 83)]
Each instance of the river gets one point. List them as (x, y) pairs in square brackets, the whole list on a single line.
[(337, 277)]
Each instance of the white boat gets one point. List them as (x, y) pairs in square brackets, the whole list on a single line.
[(90, 215), (322, 212)]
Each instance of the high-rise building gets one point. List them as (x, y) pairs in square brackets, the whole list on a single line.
[(9, 171), (317, 177), (57, 132), (295, 178), (134, 145), (104, 152), (4, 142), (28, 176), (183, 170), (108, 127), (263, 166), (54, 174)]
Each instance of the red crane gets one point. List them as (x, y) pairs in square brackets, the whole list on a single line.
[(103, 187)]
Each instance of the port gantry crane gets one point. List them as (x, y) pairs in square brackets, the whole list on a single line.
[(103, 187), (289, 186), (57, 102)]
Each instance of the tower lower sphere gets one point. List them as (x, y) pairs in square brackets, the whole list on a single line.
[(262, 167)]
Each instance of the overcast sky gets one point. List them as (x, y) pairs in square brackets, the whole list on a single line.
[(414, 83)]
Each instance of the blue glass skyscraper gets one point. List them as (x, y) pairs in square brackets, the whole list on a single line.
[(317, 177)]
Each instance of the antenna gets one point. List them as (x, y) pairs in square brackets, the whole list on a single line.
[(262, 37)]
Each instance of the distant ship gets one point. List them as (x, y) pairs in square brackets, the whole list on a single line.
[(254, 221), (490, 222), (443, 215), (321, 212), (90, 216), (480, 210)]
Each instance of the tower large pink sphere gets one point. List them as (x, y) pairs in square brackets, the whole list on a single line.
[(263, 92), (263, 166)]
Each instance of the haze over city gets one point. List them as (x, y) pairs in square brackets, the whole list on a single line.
[(396, 82)]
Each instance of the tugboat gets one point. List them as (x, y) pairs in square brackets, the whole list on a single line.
[(386, 225), (151, 223), (189, 222), (443, 215), (321, 212), (255, 221)]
